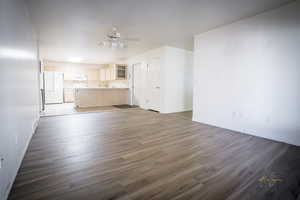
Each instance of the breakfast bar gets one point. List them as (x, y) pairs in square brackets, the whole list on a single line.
[(95, 97)]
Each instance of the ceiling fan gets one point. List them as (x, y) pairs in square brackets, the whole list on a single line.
[(114, 40)]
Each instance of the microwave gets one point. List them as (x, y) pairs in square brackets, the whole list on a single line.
[(121, 71)]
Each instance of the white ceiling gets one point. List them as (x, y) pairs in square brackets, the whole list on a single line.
[(73, 28)]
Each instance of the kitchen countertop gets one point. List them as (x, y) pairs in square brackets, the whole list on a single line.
[(102, 88)]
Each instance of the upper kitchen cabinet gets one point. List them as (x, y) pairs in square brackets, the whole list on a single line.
[(113, 72), (92, 74), (102, 74), (68, 76)]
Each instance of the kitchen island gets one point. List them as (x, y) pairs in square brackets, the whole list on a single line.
[(95, 97)]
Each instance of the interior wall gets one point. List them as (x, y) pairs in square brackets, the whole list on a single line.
[(176, 77), (178, 89), (247, 75), (19, 86), (143, 60)]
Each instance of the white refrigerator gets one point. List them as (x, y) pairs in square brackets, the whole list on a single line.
[(54, 87)]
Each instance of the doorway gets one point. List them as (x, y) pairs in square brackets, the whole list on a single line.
[(138, 80), (146, 85), (153, 84)]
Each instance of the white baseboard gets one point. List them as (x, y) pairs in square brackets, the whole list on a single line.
[(177, 111)]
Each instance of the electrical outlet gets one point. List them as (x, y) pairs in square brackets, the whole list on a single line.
[(1, 161), (16, 140), (234, 114)]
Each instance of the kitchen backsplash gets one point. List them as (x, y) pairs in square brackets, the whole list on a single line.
[(118, 84)]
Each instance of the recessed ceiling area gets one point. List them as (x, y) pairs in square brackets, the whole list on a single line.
[(73, 29)]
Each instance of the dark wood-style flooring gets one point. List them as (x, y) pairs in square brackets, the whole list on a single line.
[(137, 154)]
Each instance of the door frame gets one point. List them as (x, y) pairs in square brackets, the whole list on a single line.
[(151, 61), (133, 67)]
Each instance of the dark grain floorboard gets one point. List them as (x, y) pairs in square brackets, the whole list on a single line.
[(137, 154)]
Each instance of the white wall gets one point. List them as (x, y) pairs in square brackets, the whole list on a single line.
[(247, 75), (176, 77), (143, 60), (178, 81), (19, 97)]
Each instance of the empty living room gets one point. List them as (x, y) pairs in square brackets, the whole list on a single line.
[(150, 99)]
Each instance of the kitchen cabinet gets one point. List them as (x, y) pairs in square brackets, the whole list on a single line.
[(102, 74), (113, 72), (108, 74), (68, 76), (92, 75)]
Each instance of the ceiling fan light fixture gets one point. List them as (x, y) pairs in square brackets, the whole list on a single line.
[(113, 40), (114, 44)]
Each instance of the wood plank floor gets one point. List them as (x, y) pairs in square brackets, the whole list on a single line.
[(137, 154), (70, 108)]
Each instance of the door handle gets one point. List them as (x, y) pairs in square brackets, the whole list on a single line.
[(157, 87)]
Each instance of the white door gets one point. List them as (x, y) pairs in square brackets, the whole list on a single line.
[(153, 84), (54, 87), (138, 85)]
